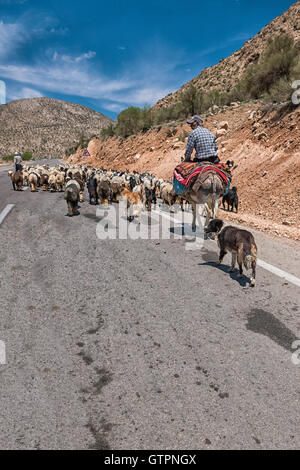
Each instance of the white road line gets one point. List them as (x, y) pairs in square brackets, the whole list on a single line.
[(268, 267), (5, 212), (173, 219), (279, 272)]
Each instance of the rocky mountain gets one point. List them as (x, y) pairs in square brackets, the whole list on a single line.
[(228, 72), (46, 127), (263, 141)]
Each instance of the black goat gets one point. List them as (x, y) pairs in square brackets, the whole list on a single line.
[(92, 189), (232, 200)]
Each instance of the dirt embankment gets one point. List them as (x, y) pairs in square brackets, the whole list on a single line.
[(263, 142)]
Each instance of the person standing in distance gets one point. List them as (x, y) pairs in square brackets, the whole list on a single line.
[(18, 161)]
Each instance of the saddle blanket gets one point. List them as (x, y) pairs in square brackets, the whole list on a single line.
[(186, 172)]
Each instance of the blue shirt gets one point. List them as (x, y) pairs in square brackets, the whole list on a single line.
[(204, 142)]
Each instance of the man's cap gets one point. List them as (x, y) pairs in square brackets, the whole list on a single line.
[(195, 119)]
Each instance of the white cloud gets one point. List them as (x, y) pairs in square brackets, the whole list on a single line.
[(145, 80), (144, 94), (25, 93), (11, 36), (71, 79), (86, 56), (65, 78), (114, 107), (69, 59)]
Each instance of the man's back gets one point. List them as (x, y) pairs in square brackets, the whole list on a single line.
[(204, 142)]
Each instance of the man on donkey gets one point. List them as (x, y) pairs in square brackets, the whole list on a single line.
[(203, 141)]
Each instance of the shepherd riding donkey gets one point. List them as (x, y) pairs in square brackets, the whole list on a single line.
[(204, 180)]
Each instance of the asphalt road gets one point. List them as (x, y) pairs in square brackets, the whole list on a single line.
[(140, 344)]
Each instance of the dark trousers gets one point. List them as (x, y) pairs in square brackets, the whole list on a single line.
[(19, 167), (213, 160)]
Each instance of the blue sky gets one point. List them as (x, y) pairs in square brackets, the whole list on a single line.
[(111, 55)]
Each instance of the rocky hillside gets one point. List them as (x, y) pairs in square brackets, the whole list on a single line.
[(263, 141), (227, 73), (46, 127)]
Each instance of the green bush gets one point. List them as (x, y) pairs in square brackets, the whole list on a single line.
[(280, 91), (128, 122), (82, 143), (189, 100), (27, 156), (107, 132), (8, 158), (132, 121), (70, 151), (276, 66)]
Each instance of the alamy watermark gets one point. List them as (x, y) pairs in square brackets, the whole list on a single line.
[(2, 353), (296, 354), (2, 92), (156, 225), (296, 94)]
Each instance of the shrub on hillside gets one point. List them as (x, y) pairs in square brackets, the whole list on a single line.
[(189, 100), (277, 64), (8, 158), (82, 143), (281, 91), (27, 156), (107, 132), (133, 120)]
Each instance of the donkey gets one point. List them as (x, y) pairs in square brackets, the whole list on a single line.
[(208, 194)]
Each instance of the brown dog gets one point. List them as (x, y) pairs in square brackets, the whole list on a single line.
[(240, 243)]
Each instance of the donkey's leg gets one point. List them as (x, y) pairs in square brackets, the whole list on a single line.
[(216, 207), (208, 216), (194, 209)]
